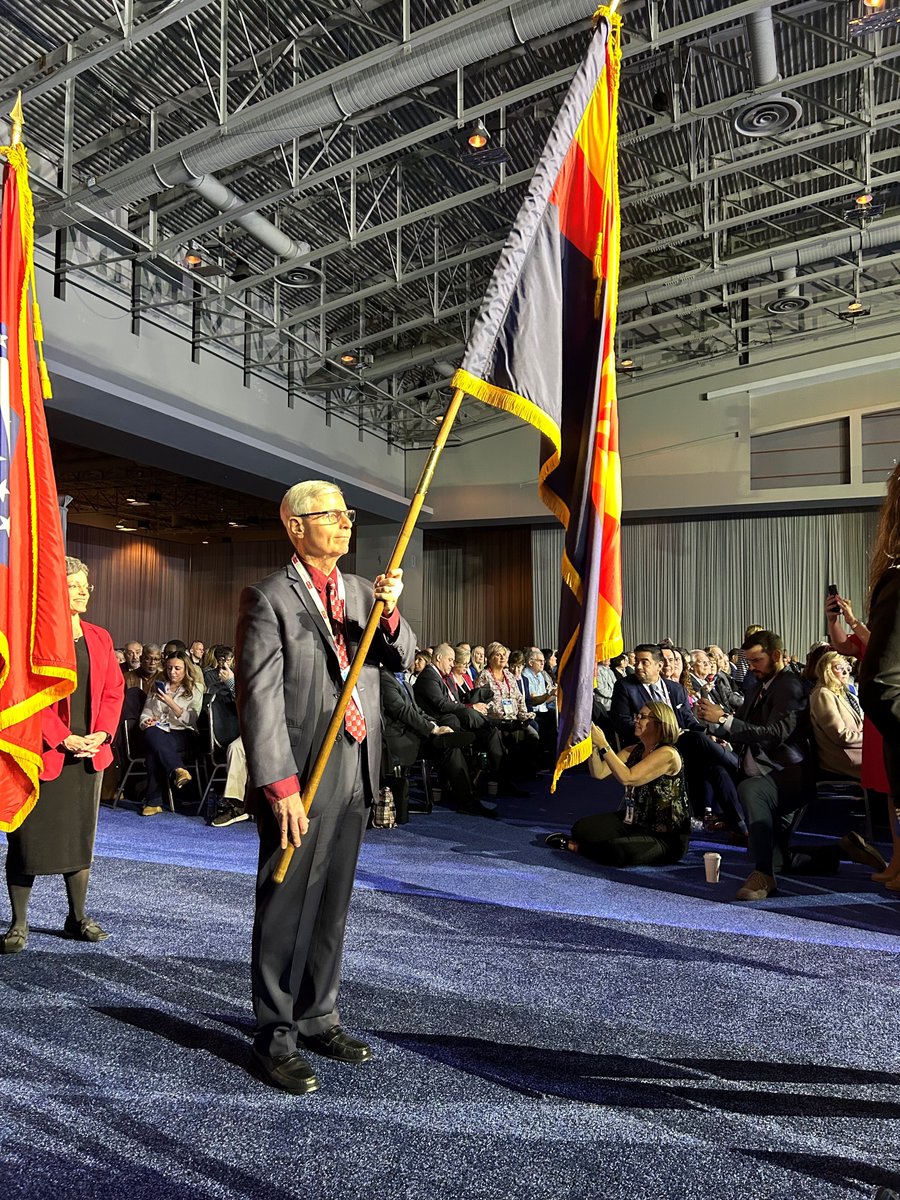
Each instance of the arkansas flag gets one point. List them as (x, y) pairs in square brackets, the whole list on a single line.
[(37, 653), (543, 348)]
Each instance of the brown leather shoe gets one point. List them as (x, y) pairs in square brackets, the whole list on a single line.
[(180, 777), (757, 887)]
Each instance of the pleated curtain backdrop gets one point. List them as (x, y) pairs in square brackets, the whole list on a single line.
[(152, 590), (477, 586), (704, 581)]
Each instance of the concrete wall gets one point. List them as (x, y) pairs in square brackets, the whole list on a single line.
[(685, 443)]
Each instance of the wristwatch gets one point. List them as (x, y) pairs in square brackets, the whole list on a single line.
[(603, 751)]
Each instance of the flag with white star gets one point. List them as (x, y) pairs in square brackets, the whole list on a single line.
[(37, 653)]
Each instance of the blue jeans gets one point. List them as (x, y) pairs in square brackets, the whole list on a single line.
[(165, 754)]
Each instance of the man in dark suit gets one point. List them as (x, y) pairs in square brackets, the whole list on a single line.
[(434, 696), (708, 766), (409, 734), (645, 685), (771, 737), (296, 633)]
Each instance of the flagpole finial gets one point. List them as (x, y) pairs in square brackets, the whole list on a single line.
[(17, 119)]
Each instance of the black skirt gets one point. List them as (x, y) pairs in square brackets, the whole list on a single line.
[(57, 836)]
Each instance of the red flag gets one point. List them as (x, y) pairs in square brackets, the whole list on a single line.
[(37, 653), (543, 348)]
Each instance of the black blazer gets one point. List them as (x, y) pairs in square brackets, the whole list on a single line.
[(433, 696), (777, 730), (879, 677), (405, 725), (629, 697)]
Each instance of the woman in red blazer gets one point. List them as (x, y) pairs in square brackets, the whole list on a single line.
[(57, 837)]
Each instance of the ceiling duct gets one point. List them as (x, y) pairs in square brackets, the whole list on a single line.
[(467, 36), (790, 299), (840, 244), (224, 199), (765, 116)]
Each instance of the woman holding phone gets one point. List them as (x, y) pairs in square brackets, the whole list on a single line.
[(169, 719)]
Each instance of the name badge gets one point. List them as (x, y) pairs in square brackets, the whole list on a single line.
[(629, 813)]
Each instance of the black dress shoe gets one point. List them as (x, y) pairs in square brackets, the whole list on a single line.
[(85, 930), (14, 940), (335, 1043), (290, 1072)]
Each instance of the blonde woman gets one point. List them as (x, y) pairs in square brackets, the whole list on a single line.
[(653, 824), (836, 717)]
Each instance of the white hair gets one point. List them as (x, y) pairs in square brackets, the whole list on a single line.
[(298, 498), (75, 565)]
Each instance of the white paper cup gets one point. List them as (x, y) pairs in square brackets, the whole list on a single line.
[(712, 862)]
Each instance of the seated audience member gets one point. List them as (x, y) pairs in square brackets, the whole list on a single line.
[(604, 683), (120, 656), (646, 685), (836, 717), (149, 666), (436, 699), (618, 665), (196, 652), (219, 682), (507, 702), (629, 667), (549, 663), (409, 734), (421, 660), (169, 719), (540, 690), (516, 666), (770, 735), (809, 674), (476, 663), (736, 664), (132, 657), (459, 679), (670, 669), (653, 822)]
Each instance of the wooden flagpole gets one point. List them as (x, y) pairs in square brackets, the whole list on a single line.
[(359, 658)]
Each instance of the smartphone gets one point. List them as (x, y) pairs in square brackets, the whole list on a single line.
[(160, 685), (831, 592)]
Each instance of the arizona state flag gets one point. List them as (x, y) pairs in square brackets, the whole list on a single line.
[(543, 348), (37, 653)]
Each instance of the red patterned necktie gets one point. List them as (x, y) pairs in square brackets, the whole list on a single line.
[(354, 721)]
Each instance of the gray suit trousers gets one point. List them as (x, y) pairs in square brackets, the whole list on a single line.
[(298, 933)]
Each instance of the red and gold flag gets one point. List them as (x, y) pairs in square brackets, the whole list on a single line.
[(543, 348), (37, 653)]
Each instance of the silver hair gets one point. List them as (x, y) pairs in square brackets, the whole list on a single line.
[(298, 498), (74, 565)]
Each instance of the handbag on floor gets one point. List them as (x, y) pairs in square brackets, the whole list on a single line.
[(384, 810)]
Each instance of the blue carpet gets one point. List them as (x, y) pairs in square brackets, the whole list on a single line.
[(542, 1027)]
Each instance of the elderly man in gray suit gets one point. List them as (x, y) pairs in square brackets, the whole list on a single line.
[(297, 631)]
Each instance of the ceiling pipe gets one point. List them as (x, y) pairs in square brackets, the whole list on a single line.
[(224, 199), (468, 36), (831, 245), (763, 116)]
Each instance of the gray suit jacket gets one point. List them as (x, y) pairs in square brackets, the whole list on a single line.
[(289, 678)]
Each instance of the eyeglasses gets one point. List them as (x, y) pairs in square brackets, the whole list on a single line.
[(81, 587), (332, 516), (642, 717)]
